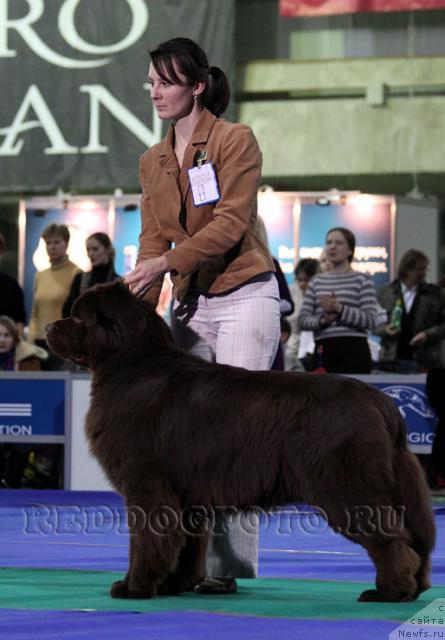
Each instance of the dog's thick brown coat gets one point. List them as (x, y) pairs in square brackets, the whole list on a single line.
[(178, 436)]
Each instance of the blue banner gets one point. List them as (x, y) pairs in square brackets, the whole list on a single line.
[(412, 402), (31, 407)]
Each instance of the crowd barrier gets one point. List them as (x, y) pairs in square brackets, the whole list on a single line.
[(50, 408)]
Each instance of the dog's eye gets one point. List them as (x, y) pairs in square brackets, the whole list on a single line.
[(77, 320)]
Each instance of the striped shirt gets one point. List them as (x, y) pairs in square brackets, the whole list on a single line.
[(355, 291)]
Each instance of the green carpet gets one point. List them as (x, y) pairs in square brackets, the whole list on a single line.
[(74, 590)]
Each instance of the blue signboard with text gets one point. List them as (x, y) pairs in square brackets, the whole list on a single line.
[(32, 407)]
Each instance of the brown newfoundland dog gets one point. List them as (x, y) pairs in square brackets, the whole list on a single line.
[(178, 437)]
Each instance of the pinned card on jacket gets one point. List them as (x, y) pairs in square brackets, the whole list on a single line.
[(204, 184)]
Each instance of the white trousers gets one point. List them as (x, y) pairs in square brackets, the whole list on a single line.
[(240, 328)]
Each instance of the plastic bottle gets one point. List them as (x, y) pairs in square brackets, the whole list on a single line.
[(396, 315)]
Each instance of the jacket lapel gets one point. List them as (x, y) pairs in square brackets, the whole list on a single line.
[(167, 158), (198, 142)]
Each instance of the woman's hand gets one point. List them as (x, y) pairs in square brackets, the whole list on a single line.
[(145, 273), (330, 304)]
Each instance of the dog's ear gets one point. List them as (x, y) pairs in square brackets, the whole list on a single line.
[(85, 310), (127, 315), (115, 318)]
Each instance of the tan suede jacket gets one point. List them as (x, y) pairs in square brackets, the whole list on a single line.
[(218, 244)]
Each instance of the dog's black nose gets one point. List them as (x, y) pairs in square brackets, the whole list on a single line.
[(50, 327)]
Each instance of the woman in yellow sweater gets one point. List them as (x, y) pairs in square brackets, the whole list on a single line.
[(51, 286)]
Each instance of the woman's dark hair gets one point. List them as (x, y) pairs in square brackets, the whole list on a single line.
[(191, 61), (308, 266), (411, 260), (348, 236), (105, 241)]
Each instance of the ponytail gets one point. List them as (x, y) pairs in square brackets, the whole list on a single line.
[(216, 95)]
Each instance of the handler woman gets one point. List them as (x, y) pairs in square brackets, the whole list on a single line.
[(200, 194)]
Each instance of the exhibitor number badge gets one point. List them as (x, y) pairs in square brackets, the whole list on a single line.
[(203, 184)]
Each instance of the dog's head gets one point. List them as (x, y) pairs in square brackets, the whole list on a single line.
[(105, 320)]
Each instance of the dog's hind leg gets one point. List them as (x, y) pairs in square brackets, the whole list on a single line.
[(419, 520), (156, 540), (379, 528), (411, 491), (397, 565)]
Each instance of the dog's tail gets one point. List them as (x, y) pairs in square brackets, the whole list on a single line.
[(414, 496)]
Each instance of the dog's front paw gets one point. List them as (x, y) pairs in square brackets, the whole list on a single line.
[(120, 589)]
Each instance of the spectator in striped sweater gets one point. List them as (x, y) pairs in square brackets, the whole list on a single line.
[(340, 307)]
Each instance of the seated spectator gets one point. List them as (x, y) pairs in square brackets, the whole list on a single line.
[(51, 287), (340, 308), (299, 346), (12, 301), (15, 353), (101, 254), (411, 338)]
